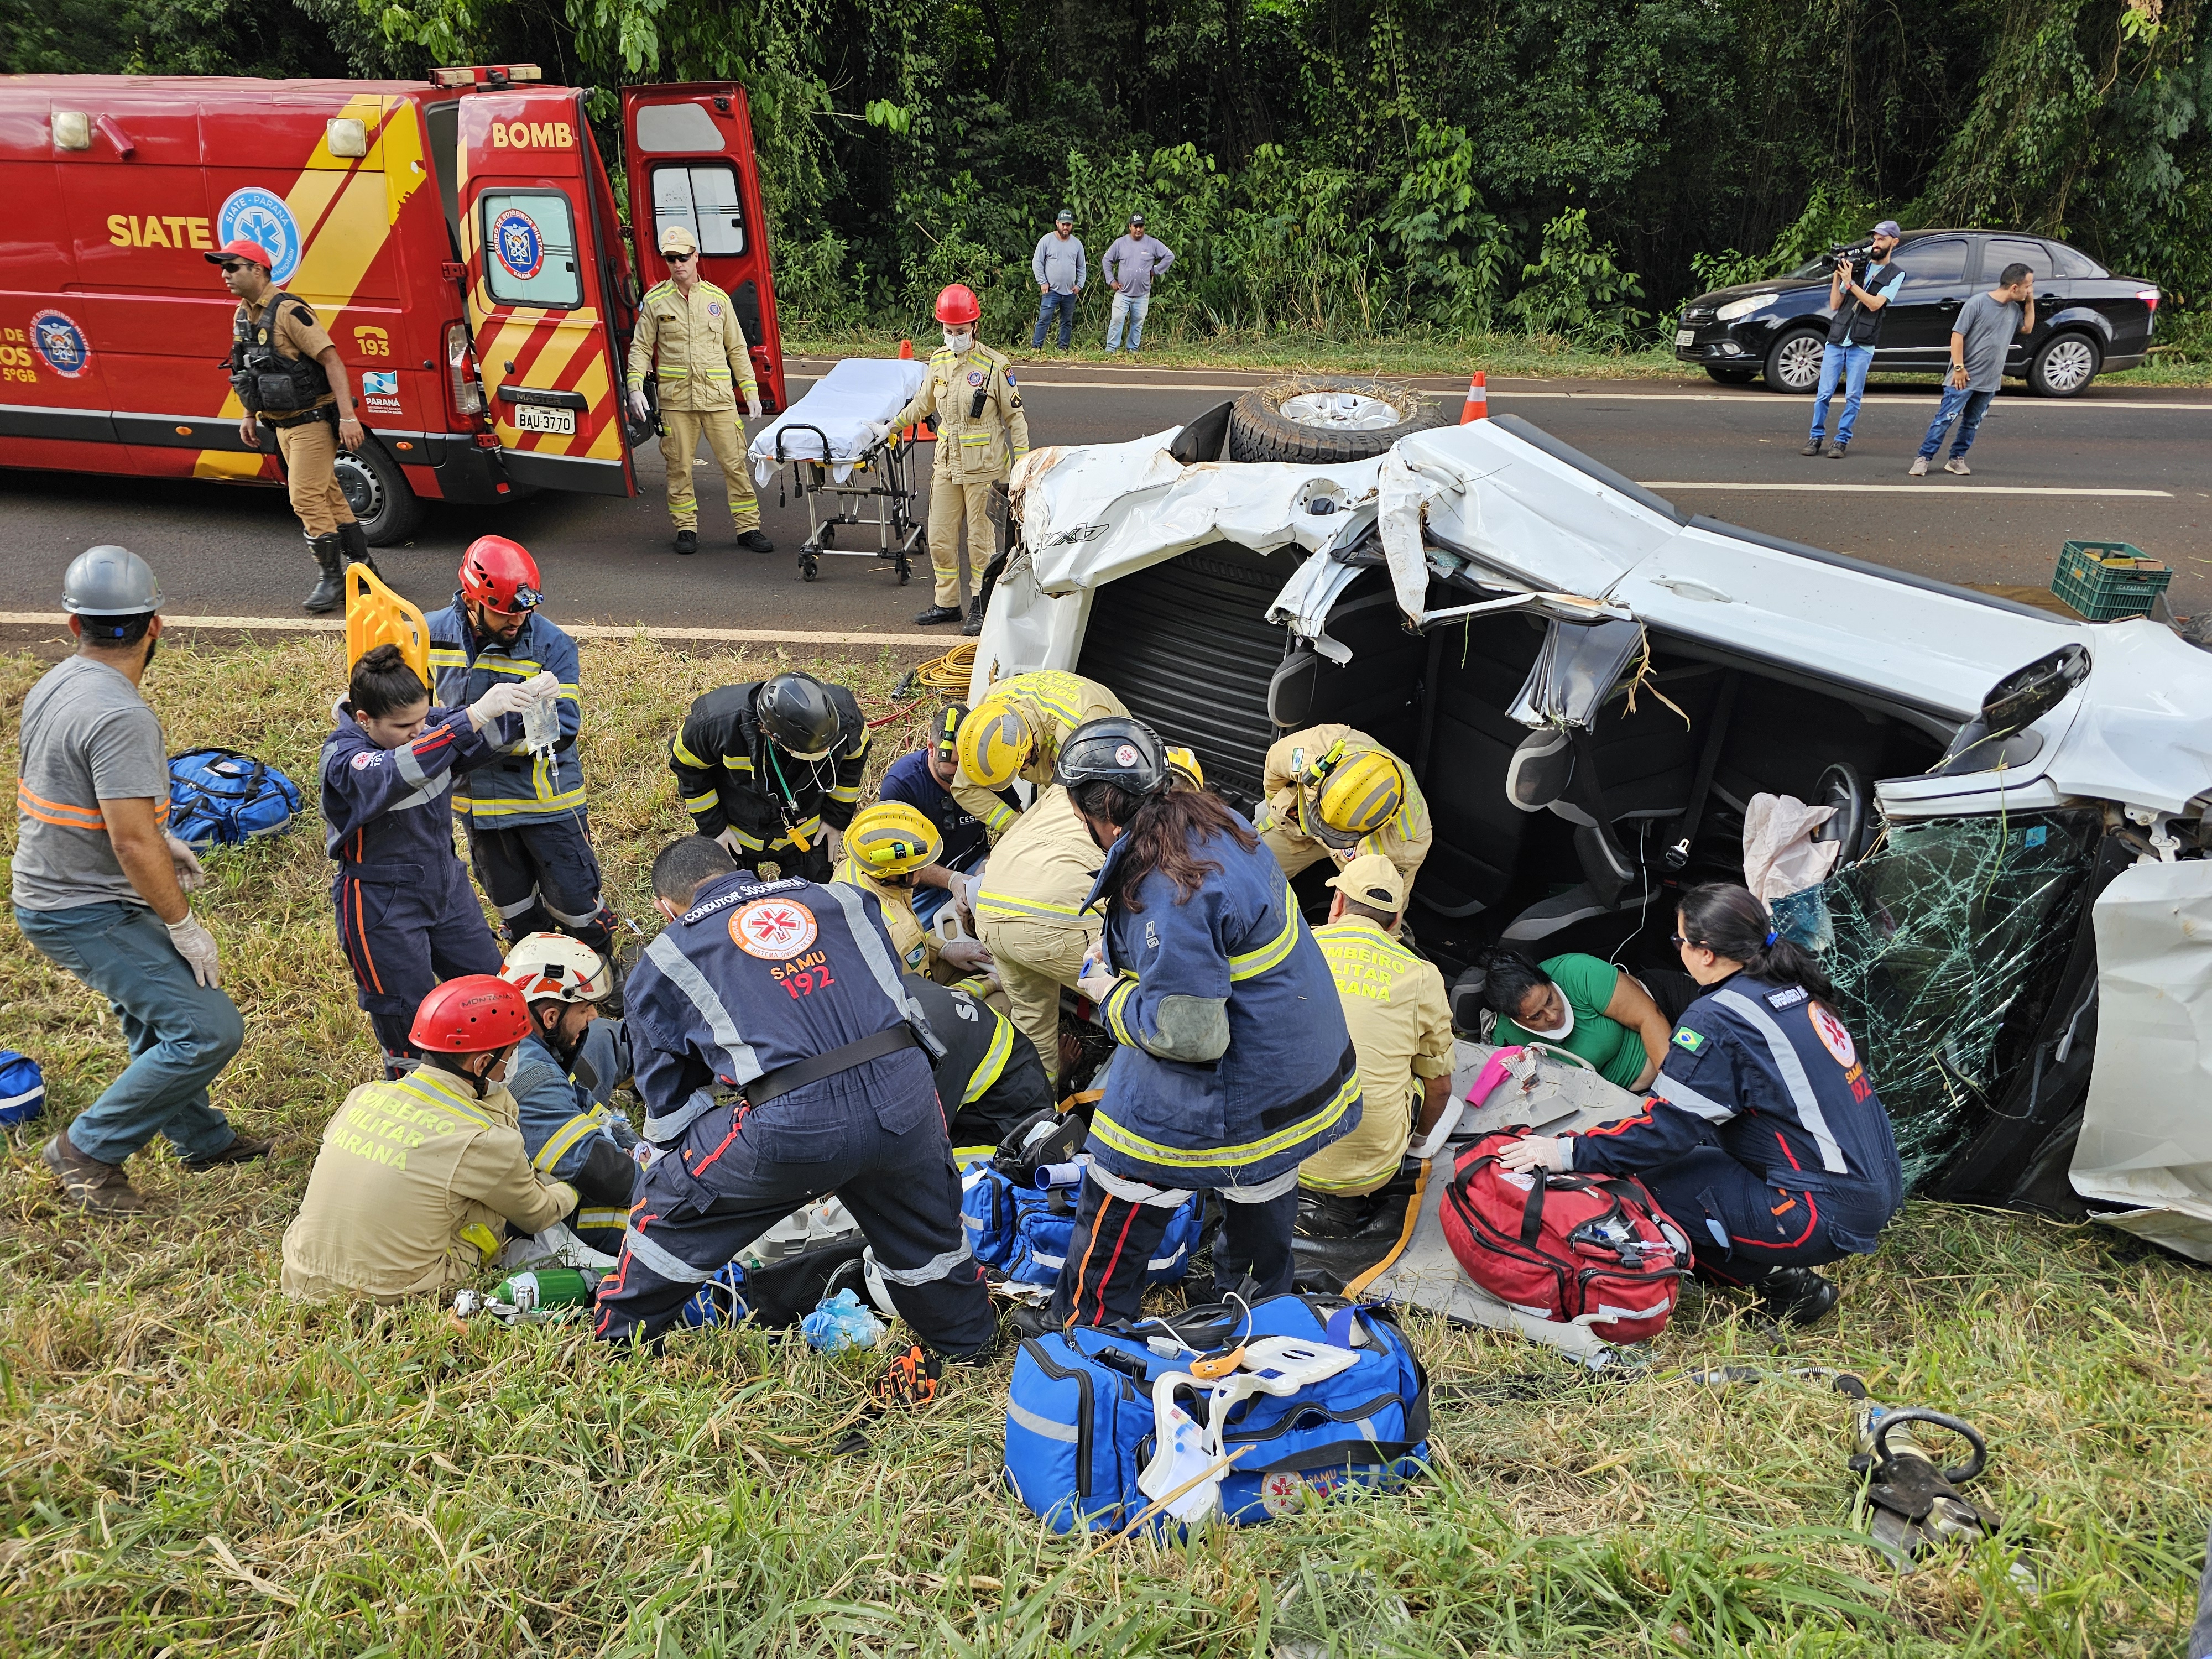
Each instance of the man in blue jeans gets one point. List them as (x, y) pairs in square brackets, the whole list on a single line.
[(1060, 268), (1858, 300), (99, 886), (1131, 264), (1979, 340)]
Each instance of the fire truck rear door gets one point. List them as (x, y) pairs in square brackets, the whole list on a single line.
[(545, 336), (690, 155)]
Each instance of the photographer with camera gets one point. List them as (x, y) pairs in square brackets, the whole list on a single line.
[(1858, 299)]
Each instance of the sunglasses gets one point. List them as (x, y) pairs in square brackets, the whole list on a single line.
[(679, 259), (231, 267)]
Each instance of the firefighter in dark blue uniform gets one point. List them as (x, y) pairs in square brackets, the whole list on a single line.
[(529, 837), (407, 916), (1762, 1136), (769, 767), (1235, 1064), (789, 993)]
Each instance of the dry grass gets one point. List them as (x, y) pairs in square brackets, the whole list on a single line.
[(189, 1464)]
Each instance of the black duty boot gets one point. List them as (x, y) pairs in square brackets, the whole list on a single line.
[(687, 541), (936, 614), (753, 541), (1795, 1296), (1029, 1321), (327, 589), (974, 625), (353, 545)]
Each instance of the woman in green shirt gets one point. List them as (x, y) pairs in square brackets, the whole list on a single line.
[(1581, 1003)]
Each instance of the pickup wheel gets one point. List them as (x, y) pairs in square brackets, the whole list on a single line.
[(379, 493), (2064, 365), (1793, 363), (1325, 420)]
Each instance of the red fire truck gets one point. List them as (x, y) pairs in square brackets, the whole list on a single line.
[(460, 240)]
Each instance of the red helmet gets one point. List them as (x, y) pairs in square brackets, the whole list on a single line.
[(501, 573), (958, 305), (471, 1015)]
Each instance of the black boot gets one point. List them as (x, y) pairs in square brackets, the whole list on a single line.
[(353, 545), (687, 542), (1795, 1296), (974, 625), (754, 542), (327, 589), (936, 614)]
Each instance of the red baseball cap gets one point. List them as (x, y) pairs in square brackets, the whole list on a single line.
[(241, 249)]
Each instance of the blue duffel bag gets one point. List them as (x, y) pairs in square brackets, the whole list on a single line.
[(1023, 1232), (22, 1089), (1084, 1417), (219, 798)]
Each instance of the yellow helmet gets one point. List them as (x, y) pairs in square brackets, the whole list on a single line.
[(892, 838), (1352, 799), (995, 742), (1185, 765)]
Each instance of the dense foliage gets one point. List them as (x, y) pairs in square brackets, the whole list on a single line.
[(1342, 168)]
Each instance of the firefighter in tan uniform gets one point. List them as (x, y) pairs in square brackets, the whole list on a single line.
[(1016, 731), (691, 327), (884, 845), (1334, 792), (980, 432), (1029, 910), (288, 377)]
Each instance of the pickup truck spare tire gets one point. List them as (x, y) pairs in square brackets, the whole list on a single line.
[(1314, 418)]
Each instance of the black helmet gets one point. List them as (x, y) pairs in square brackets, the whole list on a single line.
[(795, 711), (1116, 749)]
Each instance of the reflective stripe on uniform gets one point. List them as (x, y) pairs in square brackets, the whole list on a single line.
[(930, 1271), (600, 1218), (1250, 963), (992, 1066), (1115, 1012), (1676, 1092), (516, 805), (1005, 907), (684, 973), (874, 951), (558, 1145), (668, 1265), (58, 813), (1793, 1077), (1123, 1140), (662, 1130), (444, 1099)]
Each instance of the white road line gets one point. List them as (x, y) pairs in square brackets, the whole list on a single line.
[(579, 630), (1931, 488)]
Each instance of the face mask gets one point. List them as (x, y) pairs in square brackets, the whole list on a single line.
[(959, 340)]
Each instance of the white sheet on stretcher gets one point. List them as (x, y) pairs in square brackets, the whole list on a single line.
[(844, 401)]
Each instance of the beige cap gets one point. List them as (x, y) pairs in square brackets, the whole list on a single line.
[(1372, 880), (676, 239)]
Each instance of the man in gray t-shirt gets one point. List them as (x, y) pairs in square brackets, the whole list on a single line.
[(99, 885), (1979, 340)]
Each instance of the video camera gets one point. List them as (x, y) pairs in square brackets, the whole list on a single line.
[(1857, 252)]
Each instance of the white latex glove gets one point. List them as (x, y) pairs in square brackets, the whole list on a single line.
[(879, 430), (728, 838), (968, 955), (190, 876), (197, 946), (637, 403), (508, 697), (753, 408), (1094, 961), (542, 685), (1535, 1152), (963, 888)]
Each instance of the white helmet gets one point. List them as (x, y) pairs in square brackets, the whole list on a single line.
[(554, 967)]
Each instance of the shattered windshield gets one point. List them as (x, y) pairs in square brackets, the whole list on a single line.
[(1946, 940)]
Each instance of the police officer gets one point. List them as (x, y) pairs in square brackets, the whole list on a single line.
[(980, 432), (987, 1078), (407, 917), (289, 376), (529, 837), (1762, 1136), (765, 766), (1234, 1065), (787, 993), (1015, 733), (688, 334), (1334, 793), (563, 1075)]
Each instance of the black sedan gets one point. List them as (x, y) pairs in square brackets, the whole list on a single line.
[(2087, 320)]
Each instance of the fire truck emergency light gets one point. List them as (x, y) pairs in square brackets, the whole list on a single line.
[(486, 74), (346, 137), (72, 129)]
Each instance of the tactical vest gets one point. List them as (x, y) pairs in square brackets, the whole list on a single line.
[(285, 389), (1854, 322)]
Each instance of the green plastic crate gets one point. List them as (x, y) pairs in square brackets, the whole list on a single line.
[(2106, 581)]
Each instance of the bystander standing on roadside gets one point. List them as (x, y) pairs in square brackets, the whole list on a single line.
[(1979, 340), (99, 888), (1130, 265), (1061, 269), (1858, 300)]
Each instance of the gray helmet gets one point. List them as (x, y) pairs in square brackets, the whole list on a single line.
[(1117, 750), (110, 581)]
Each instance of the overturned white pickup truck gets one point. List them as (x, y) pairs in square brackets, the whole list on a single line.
[(1590, 685)]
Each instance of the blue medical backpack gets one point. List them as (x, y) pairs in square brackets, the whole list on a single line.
[(22, 1089), (219, 798), (1080, 1423), (1023, 1233)]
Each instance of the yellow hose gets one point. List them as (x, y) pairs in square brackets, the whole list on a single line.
[(949, 672)]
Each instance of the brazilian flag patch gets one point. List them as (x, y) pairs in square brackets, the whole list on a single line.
[(1686, 1038)]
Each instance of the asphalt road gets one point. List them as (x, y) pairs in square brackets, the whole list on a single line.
[(2043, 472)]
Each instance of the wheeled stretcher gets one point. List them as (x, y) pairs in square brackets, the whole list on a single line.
[(840, 470)]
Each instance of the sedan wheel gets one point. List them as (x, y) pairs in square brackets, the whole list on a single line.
[(2067, 363), (1794, 364), (1731, 376)]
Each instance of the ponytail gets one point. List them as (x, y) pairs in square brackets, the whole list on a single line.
[(1728, 921), (1163, 829)]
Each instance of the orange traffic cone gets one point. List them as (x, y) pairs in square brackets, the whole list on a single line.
[(1478, 400), (916, 433)]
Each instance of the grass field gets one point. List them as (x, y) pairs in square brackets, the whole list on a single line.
[(189, 1464)]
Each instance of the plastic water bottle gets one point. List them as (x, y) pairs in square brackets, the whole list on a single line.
[(840, 1323)]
